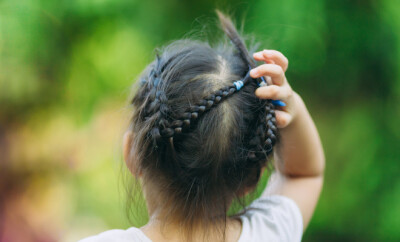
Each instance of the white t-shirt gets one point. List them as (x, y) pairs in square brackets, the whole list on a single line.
[(272, 218)]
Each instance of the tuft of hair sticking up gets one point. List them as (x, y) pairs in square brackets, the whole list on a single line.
[(232, 33)]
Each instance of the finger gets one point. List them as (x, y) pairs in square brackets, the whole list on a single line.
[(272, 70), (274, 56), (268, 61), (283, 118), (273, 92)]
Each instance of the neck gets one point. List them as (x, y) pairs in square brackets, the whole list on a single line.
[(162, 228), (159, 230)]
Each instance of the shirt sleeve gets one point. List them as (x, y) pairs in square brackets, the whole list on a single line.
[(272, 218)]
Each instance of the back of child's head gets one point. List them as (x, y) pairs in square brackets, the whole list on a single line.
[(199, 140)]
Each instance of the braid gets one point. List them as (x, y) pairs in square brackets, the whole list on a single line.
[(157, 102), (156, 106), (168, 129), (266, 133), (264, 137)]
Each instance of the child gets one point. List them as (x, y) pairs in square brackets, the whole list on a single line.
[(204, 125)]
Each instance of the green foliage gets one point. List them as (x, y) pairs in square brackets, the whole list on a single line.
[(67, 65)]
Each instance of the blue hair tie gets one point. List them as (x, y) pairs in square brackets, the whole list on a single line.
[(238, 84), (278, 103)]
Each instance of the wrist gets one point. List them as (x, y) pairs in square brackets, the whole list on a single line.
[(298, 107)]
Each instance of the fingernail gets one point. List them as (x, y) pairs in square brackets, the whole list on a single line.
[(253, 72), (258, 54)]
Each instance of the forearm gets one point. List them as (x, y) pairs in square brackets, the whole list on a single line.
[(299, 152)]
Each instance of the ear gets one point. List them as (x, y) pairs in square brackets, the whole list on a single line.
[(127, 144)]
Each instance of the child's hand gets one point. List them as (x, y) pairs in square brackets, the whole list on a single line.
[(278, 88)]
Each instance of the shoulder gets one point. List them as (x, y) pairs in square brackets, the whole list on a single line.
[(275, 217), (131, 234)]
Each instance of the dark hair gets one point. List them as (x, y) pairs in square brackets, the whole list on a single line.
[(201, 142)]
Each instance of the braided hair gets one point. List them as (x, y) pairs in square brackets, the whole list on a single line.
[(201, 136)]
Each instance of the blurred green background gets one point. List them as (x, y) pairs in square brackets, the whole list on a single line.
[(66, 68)]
